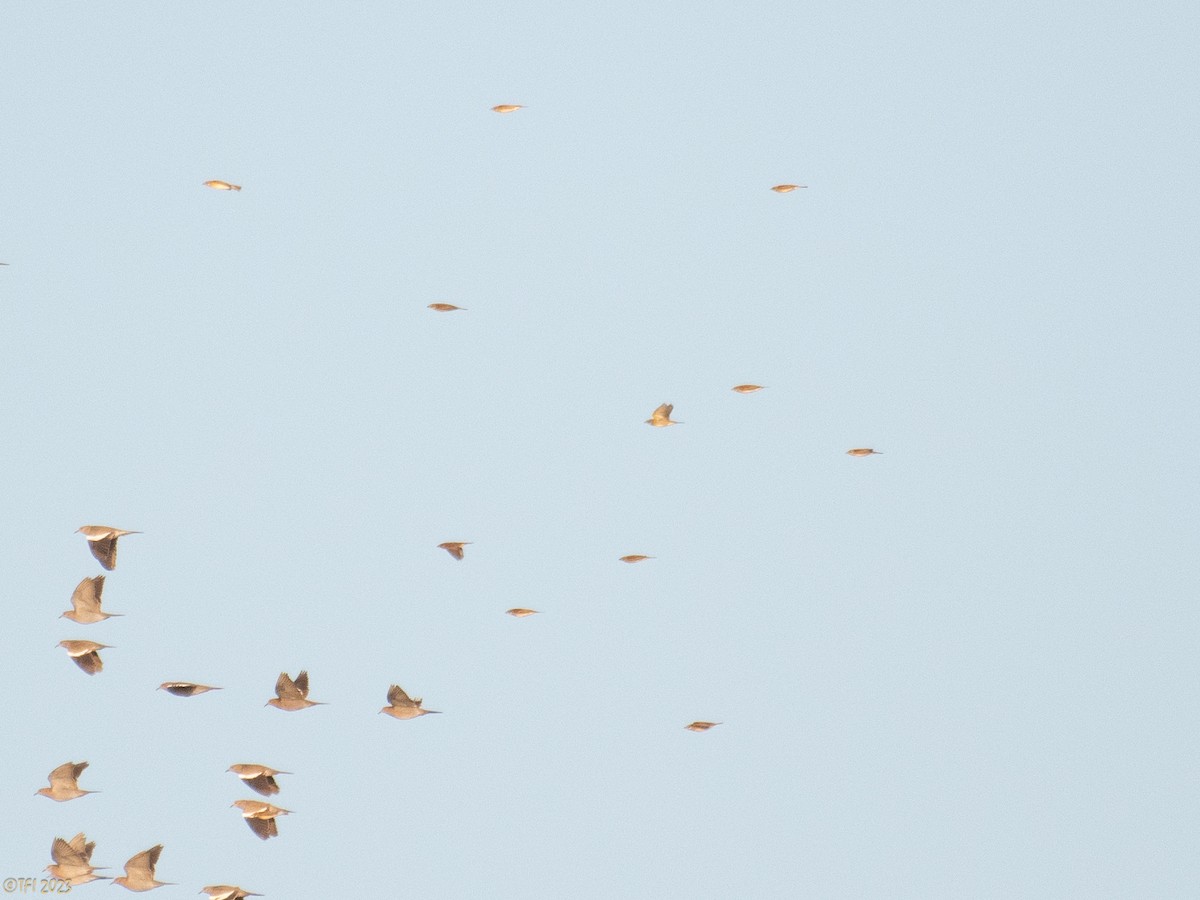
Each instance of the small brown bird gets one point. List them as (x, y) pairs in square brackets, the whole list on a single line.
[(446, 307), (661, 417), (701, 726), (186, 688), (260, 779), (521, 613), (787, 188), (102, 541), (139, 871), (64, 782), (222, 185), (292, 695), (507, 107), (85, 603), (86, 654), (227, 892), (747, 388), (73, 861), (454, 548), (862, 451), (635, 557), (261, 817), (403, 706)]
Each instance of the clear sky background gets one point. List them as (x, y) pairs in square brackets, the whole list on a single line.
[(966, 668)]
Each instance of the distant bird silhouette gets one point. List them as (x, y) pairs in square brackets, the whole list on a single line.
[(292, 695), (185, 688), (862, 451), (520, 612), (102, 541), (787, 188), (73, 861), (227, 892), (64, 782), (454, 548), (139, 871), (261, 817), (747, 388), (661, 417), (86, 654), (403, 706), (222, 185), (260, 779), (635, 558), (507, 107), (445, 307), (85, 603), (701, 726)]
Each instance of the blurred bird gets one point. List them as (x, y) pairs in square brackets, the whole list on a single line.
[(86, 654), (222, 185), (403, 706), (260, 779), (661, 417), (454, 548), (787, 188), (862, 451), (292, 695), (261, 817), (102, 541), (634, 557), (507, 107), (521, 613), (227, 892), (186, 688), (445, 307), (701, 726), (747, 388), (73, 861), (85, 603), (139, 871), (64, 782)]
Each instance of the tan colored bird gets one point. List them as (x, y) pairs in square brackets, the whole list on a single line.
[(261, 817), (701, 726), (260, 779), (454, 548), (634, 558), (446, 307), (227, 892), (139, 871), (86, 654), (102, 541), (403, 706), (186, 688), (222, 185), (85, 603), (862, 451), (747, 388), (73, 861), (787, 188), (661, 417), (520, 612), (64, 782), (292, 695), (507, 107)]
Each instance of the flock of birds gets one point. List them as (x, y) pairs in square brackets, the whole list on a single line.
[(72, 858)]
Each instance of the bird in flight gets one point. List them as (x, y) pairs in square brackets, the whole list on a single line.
[(261, 817), (701, 726), (139, 871), (661, 417), (102, 541), (260, 779), (634, 557), (64, 782), (186, 688), (507, 107), (402, 706), (521, 613), (862, 451), (747, 388), (222, 185), (73, 860), (85, 603), (787, 188), (454, 548), (292, 695), (446, 307), (227, 892), (86, 654)]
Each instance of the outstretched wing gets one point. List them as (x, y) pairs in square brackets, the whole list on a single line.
[(141, 867), (105, 550), (89, 662), (87, 595), (286, 689), (397, 697)]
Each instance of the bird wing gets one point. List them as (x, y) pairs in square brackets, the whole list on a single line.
[(87, 595), (141, 866), (90, 662), (264, 828), (67, 775), (286, 689), (262, 784), (105, 550), (397, 697), (302, 683), (65, 854)]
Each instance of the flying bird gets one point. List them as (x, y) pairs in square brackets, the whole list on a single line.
[(292, 695), (222, 185), (661, 417), (521, 613), (186, 688), (102, 541), (403, 706), (507, 107), (445, 307), (227, 892), (862, 451), (261, 817), (139, 871), (701, 726), (64, 782), (454, 548), (634, 557), (86, 654), (73, 861), (747, 388), (787, 188), (260, 779), (85, 603)]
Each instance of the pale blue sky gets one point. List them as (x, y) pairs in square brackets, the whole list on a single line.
[(966, 668)]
